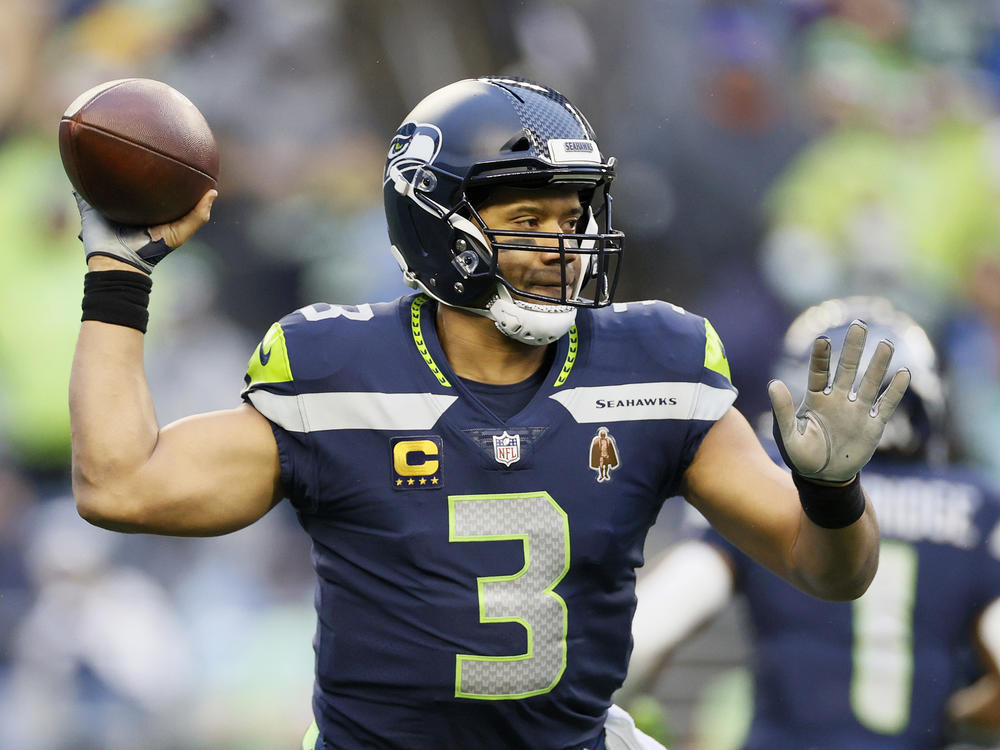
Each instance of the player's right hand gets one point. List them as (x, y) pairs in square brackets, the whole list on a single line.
[(138, 247)]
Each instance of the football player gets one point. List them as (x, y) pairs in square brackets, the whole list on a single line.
[(475, 573), (881, 671)]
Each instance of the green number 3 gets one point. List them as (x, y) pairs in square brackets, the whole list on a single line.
[(526, 597)]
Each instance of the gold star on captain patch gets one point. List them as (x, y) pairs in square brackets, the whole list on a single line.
[(434, 480), (423, 481), (409, 481), (399, 482)]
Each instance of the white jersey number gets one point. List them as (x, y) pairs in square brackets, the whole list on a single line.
[(526, 597), (882, 677), (325, 311)]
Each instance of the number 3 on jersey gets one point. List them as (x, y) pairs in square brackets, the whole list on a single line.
[(526, 597)]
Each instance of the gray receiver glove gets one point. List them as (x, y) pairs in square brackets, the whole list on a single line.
[(835, 431), (132, 245)]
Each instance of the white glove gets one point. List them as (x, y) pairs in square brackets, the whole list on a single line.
[(132, 245), (835, 431)]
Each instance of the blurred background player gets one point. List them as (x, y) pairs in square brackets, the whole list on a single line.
[(893, 668)]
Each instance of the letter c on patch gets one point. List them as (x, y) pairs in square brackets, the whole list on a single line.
[(415, 458)]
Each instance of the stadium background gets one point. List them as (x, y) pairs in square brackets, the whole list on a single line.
[(772, 153)]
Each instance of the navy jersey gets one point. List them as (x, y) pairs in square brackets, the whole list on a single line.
[(476, 575), (876, 672)]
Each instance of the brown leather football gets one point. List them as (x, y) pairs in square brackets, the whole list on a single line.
[(138, 151)]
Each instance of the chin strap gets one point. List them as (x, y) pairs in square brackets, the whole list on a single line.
[(528, 322)]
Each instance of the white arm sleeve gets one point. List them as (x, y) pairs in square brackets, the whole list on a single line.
[(692, 583)]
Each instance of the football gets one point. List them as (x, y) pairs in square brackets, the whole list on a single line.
[(138, 151)]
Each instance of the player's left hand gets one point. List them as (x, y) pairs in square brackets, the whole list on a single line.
[(835, 430)]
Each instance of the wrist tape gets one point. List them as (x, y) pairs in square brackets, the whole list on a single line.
[(830, 506), (117, 297)]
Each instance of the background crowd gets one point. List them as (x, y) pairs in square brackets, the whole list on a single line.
[(772, 153)]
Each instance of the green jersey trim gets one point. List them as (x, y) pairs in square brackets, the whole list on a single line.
[(574, 346), (715, 353), (269, 362), (418, 339)]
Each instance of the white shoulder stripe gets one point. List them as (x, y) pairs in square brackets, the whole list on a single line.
[(639, 401), (313, 412)]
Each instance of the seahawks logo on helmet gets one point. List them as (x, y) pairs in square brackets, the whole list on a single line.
[(415, 145)]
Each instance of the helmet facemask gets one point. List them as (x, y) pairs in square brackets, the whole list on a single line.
[(587, 254), (598, 250)]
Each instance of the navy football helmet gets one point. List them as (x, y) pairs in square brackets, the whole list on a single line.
[(451, 150), (917, 430)]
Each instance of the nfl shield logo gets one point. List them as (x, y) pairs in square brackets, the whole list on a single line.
[(507, 448)]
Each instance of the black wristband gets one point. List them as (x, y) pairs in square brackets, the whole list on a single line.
[(830, 506), (117, 297)]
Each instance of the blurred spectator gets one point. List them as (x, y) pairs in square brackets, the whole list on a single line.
[(972, 352), (252, 643), (100, 660), (192, 329), (892, 669), (704, 100), (22, 36), (40, 257), (17, 499), (900, 194), (704, 118)]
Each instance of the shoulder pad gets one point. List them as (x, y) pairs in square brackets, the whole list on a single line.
[(652, 319), (270, 362)]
